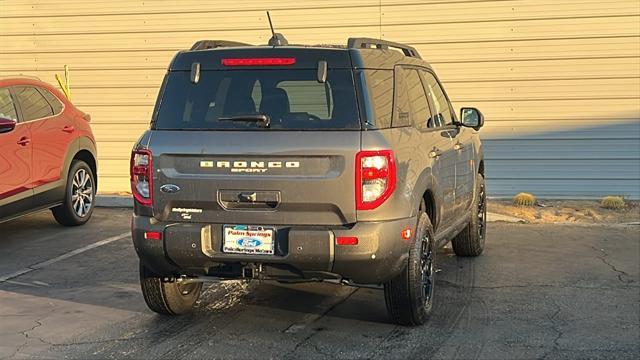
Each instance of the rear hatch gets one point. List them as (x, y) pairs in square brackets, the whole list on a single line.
[(215, 158)]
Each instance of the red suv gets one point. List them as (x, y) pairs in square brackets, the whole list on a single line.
[(47, 153)]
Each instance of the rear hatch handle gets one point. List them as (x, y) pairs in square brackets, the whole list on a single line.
[(249, 200), (248, 197)]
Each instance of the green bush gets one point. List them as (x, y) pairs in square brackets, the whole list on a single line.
[(613, 202), (524, 199)]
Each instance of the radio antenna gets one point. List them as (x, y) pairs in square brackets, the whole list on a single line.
[(273, 33), (277, 39)]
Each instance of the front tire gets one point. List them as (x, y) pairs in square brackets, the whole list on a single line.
[(168, 296), (470, 242), (79, 199), (409, 297)]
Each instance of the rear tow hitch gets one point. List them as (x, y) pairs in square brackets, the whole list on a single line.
[(252, 271)]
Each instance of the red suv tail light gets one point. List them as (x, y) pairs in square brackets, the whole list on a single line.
[(375, 178), (141, 176)]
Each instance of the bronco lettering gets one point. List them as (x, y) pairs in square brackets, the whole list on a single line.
[(240, 166)]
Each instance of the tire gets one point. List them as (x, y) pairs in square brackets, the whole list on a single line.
[(79, 199), (409, 297), (470, 242), (168, 297)]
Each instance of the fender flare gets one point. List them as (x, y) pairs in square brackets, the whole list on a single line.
[(77, 145), (427, 182)]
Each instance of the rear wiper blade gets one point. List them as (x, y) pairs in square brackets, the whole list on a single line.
[(261, 119)]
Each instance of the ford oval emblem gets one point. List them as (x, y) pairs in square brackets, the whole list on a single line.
[(249, 242), (169, 188)]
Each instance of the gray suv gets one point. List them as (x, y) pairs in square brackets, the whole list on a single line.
[(305, 163)]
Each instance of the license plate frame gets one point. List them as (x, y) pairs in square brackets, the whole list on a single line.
[(248, 239)]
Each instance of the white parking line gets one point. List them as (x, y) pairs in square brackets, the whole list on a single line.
[(64, 256)]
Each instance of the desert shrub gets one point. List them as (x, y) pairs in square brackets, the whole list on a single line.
[(524, 199), (613, 202)]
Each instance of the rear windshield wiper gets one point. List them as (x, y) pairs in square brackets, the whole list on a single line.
[(261, 119)]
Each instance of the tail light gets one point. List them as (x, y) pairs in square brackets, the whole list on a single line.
[(141, 176), (375, 178)]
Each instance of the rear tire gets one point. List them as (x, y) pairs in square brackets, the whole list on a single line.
[(168, 297), (79, 199), (409, 297), (470, 242)]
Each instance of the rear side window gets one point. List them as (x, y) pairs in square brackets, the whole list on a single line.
[(53, 101), (7, 107), (442, 111), (401, 105), (33, 104), (293, 100), (380, 87), (420, 112)]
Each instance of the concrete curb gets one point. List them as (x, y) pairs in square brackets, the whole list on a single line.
[(122, 201), (493, 217), (114, 201)]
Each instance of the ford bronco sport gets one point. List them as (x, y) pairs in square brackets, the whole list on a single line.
[(302, 163)]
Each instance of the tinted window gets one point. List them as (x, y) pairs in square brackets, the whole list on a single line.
[(380, 87), (293, 100), (33, 105), (402, 108), (7, 108), (53, 101), (420, 112), (442, 111)]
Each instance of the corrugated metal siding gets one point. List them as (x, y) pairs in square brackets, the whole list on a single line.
[(558, 81)]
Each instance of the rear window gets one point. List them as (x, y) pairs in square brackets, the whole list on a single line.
[(292, 99)]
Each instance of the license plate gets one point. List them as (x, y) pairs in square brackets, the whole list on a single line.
[(245, 239)]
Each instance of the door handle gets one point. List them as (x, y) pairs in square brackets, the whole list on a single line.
[(435, 153), (69, 129), (458, 146), (24, 141)]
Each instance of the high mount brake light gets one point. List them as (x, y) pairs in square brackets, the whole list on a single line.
[(258, 61), (375, 178), (141, 176)]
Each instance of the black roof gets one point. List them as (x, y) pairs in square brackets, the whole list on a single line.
[(358, 53)]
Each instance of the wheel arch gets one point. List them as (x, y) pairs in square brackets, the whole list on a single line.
[(427, 190), (87, 157), (430, 206), (84, 149)]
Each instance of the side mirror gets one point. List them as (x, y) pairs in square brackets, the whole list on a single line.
[(7, 125), (471, 117)]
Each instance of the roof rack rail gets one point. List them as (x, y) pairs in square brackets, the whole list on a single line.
[(212, 44), (366, 43)]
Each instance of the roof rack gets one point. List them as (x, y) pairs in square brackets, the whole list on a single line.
[(366, 43), (212, 44)]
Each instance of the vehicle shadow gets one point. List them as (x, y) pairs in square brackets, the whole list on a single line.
[(114, 284)]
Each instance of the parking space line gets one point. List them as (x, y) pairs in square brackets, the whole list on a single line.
[(64, 256)]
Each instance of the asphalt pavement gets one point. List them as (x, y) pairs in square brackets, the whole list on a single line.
[(538, 291)]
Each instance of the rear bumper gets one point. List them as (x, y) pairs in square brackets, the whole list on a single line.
[(302, 252)]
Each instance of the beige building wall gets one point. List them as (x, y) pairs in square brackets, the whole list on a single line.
[(558, 81)]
